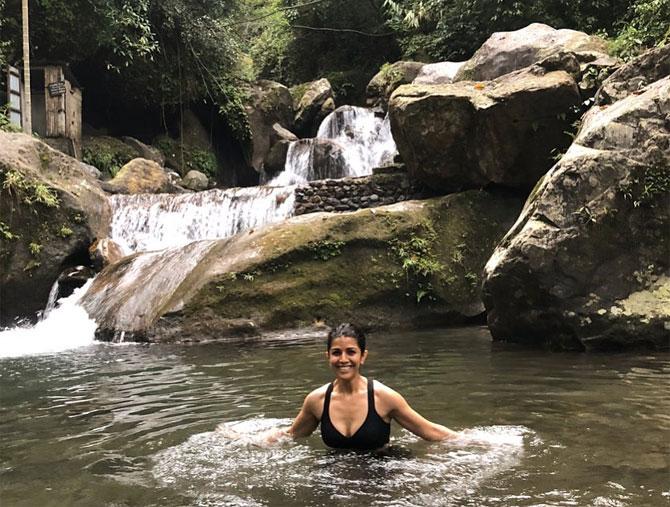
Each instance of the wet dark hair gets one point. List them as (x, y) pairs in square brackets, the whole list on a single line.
[(347, 329)]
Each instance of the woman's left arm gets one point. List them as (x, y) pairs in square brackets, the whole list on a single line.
[(411, 420)]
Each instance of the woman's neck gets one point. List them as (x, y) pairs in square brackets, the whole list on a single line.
[(350, 386)]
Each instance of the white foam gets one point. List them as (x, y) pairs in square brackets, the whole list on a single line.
[(236, 459), (67, 326)]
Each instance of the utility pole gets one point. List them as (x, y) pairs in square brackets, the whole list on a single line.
[(27, 103)]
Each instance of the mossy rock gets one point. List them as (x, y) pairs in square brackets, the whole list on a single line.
[(408, 265), (51, 209), (107, 154), (186, 157)]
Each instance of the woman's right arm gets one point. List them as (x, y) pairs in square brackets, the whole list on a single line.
[(306, 421)]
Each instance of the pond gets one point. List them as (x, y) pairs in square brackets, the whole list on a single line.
[(135, 425)]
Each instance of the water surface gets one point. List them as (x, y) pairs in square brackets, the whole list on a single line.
[(135, 425)]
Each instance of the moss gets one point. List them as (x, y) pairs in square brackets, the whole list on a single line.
[(108, 154), (297, 93), (187, 157)]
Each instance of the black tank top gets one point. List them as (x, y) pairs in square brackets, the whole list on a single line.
[(373, 434)]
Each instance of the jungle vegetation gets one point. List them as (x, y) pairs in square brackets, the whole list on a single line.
[(158, 55)]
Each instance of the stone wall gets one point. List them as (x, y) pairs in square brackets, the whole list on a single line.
[(387, 185)]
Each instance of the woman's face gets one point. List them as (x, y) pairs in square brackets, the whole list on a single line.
[(345, 357)]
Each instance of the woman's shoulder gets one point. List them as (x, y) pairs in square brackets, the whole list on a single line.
[(317, 394), (385, 392)]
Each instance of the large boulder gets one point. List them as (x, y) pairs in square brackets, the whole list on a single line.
[(107, 154), (269, 103), (466, 134), (587, 265), (314, 105), (506, 52), (437, 73), (390, 77), (635, 75), (139, 176), (417, 263), (144, 150), (50, 211)]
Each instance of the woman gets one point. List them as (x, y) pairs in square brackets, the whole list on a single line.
[(356, 412)]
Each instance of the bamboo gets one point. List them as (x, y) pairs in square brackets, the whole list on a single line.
[(27, 103)]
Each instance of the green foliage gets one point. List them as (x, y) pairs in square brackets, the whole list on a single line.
[(34, 248), (645, 189), (418, 260), (268, 39), (648, 26), (107, 162), (6, 233), (5, 124), (64, 231), (29, 191), (325, 249), (454, 29), (188, 157)]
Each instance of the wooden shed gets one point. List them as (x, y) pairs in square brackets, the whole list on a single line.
[(56, 105)]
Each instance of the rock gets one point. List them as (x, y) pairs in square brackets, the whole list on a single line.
[(390, 77), (91, 170), (635, 75), (276, 159), (73, 278), (437, 73), (107, 154), (185, 157), (195, 180), (314, 105), (466, 135), (139, 176), (506, 52), (289, 274), (104, 252), (282, 134), (51, 209), (145, 151), (269, 103), (587, 265)]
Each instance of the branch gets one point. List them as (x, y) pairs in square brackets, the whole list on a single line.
[(348, 30)]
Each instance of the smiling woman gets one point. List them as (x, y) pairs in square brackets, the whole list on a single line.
[(356, 412)]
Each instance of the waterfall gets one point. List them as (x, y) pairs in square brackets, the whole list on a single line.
[(66, 327), (51, 302), (144, 222), (351, 141)]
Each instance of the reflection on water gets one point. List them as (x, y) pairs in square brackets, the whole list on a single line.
[(135, 425)]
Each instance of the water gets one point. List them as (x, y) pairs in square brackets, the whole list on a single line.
[(144, 222), (351, 141), (136, 425), (48, 336)]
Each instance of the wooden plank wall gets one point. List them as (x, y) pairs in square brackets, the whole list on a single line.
[(73, 117), (55, 106)]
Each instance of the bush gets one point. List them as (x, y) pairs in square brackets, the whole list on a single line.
[(648, 27)]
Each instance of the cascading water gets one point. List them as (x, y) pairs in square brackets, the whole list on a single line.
[(51, 302), (144, 222), (351, 141), (67, 326)]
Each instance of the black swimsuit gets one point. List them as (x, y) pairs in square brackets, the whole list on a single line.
[(373, 434)]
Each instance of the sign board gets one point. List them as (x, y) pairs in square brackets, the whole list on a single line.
[(14, 96), (57, 88)]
